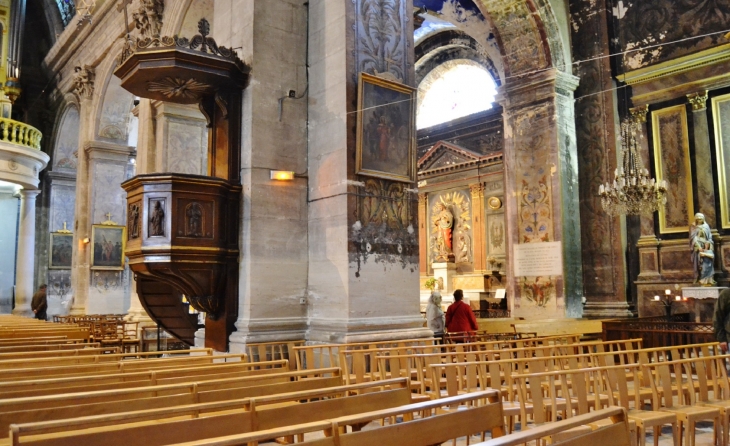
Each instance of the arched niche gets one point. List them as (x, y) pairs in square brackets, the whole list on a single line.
[(67, 141)]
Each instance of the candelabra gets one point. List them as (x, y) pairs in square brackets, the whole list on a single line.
[(667, 300), (633, 191)]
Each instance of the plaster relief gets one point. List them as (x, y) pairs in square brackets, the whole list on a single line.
[(454, 241), (381, 43)]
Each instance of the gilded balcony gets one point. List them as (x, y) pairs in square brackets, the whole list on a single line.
[(21, 158)]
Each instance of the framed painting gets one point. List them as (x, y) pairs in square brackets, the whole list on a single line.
[(721, 121), (386, 122), (61, 249), (107, 244), (672, 163)]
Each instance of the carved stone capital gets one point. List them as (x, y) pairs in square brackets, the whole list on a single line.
[(84, 81), (148, 18), (638, 114), (477, 190), (698, 100)]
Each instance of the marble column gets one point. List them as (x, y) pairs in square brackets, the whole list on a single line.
[(480, 227), (541, 194), (602, 238), (26, 254)]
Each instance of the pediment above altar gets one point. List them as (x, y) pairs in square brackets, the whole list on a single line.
[(445, 154)]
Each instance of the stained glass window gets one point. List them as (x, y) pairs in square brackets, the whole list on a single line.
[(67, 8)]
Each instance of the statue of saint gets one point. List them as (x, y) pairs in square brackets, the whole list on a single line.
[(702, 248), (157, 220), (444, 224)]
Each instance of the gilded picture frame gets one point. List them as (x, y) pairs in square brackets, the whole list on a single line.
[(672, 163), (721, 123), (61, 247), (386, 122), (108, 243)]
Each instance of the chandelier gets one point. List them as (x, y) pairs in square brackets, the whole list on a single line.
[(633, 191)]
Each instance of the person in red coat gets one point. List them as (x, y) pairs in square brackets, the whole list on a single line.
[(459, 317)]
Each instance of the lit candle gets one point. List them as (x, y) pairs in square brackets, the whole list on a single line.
[(678, 297), (656, 298), (667, 292)]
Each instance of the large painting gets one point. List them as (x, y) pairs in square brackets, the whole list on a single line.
[(672, 163), (385, 130), (61, 249), (721, 119), (107, 243)]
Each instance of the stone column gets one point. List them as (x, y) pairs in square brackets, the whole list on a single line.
[(423, 243), (26, 254), (601, 234), (541, 191), (479, 231), (80, 272)]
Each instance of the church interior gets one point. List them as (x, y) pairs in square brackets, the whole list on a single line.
[(294, 181)]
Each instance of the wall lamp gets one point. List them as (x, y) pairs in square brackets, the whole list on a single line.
[(86, 240), (285, 175)]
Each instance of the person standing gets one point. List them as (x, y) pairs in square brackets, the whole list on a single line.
[(459, 317), (435, 315), (39, 304), (720, 319)]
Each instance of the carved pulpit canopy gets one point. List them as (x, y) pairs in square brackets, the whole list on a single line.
[(180, 70)]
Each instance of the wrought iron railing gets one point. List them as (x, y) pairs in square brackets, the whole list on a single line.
[(15, 132)]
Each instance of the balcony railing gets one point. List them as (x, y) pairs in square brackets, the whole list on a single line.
[(15, 132)]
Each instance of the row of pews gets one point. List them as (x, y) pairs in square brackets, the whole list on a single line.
[(406, 392)]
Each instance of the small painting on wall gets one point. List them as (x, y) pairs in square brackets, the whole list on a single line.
[(107, 244), (61, 249), (385, 129)]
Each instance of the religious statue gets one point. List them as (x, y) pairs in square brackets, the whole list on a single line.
[(148, 18), (193, 217), (702, 248), (444, 223), (157, 220), (134, 221), (84, 81)]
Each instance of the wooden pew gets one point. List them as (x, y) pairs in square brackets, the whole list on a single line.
[(591, 328), (497, 325), (614, 433), (138, 379), (74, 405), (327, 355), (111, 367), (45, 347), (437, 426), (270, 351), (200, 421), (60, 360), (50, 354)]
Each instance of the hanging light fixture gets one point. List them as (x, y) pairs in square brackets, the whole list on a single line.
[(633, 191), (85, 8)]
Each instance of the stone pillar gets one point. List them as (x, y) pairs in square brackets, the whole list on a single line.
[(146, 137), (541, 192), (273, 299), (479, 232), (601, 234), (423, 243), (80, 272), (24, 271)]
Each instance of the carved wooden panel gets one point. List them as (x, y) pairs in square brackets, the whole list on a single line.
[(156, 223), (195, 218), (134, 213)]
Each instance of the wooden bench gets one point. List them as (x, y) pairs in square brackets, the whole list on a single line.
[(479, 412), (271, 351), (614, 433), (327, 355), (74, 405), (51, 354), (592, 328), (45, 347), (200, 421), (142, 379)]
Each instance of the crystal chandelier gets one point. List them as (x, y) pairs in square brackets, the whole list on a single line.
[(633, 191)]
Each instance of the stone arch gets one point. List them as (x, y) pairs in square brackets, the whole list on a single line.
[(66, 139), (527, 33), (450, 44), (113, 104)]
